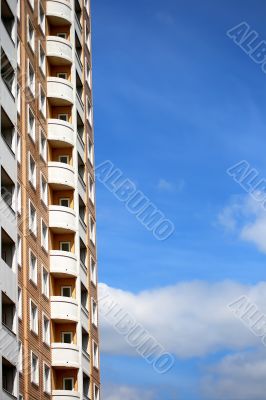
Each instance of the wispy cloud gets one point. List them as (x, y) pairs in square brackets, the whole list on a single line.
[(247, 219), (240, 376), (168, 186), (124, 392)]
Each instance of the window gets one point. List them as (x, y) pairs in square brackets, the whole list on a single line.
[(19, 251), (85, 341), (94, 312), (34, 369), (81, 169), (8, 249), (79, 88), (44, 190), (18, 51), (8, 313), (63, 117), (32, 171), (8, 19), (92, 230), (46, 379), (88, 37), (66, 291), (31, 4), (62, 35), (8, 131), (31, 78), (83, 254), (68, 383), (42, 101), (31, 35), (19, 302), (18, 9), (87, 5), (18, 148), (9, 377), (20, 357), (33, 267), (62, 75), (67, 337), (31, 124), (64, 159), (44, 239), (64, 202), (19, 198), (89, 111), (65, 246), (91, 189), (95, 355), (33, 317), (8, 74), (88, 73), (8, 192), (96, 393), (18, 99), (20, 397), (80, 128), (90, 151), (86, 386), (84, 297), (45, 282), (42, 62), (32, 219), (46, 329), (43, 146), (41, 18), (93, 271)]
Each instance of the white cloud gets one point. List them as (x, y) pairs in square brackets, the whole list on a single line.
[(239, 376), (188, 319), (123, 392), (247, 218), (165, 185)]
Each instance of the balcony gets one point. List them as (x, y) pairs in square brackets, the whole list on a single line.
[(63, 263), (58, 50), (58, 12), (59, 91), (64, 309), (65, 395), (61, 176), (60, 133), (62, 219), (65, 355)]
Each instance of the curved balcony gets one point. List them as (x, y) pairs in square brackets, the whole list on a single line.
[(65, 395), (64, 309), (63, 263), (60, 133), (60, 175), (65, 355), (58, 12), (58, 50), (59, 91), (62, 219)]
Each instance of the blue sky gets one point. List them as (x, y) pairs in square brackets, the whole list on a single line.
[(176, 103)]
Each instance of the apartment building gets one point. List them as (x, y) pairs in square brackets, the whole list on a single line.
[(49, 345)]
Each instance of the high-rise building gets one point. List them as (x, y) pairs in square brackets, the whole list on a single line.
[(49, 347)]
